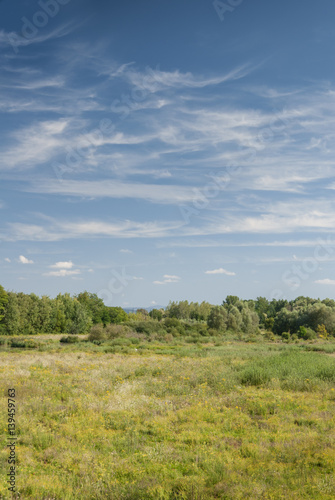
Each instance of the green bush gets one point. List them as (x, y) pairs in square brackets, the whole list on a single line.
[(114, 331), (70, 339), (120, 342), (306, 333), (148, 327), (97, 333), (23, 343)]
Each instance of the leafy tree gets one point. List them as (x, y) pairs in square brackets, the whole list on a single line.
[(217, 318), (234, 319), (94, 305), (11, 319), (3, 301), (117, 315), (156, 314), (44, 314), (250, 321), (231, 300)]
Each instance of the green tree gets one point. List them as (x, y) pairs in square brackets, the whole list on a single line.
[(3, 301), (11, 318), (250, 320), (156, 314), (231, 300), (94, 305), (217, 318), (117, 315)]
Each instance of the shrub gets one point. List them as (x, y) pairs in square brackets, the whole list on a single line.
[(70, 339), (120, 342), (147, 327), (114, 331), (306, 333), (269, 336), (174, 326), (172, 322), (97, 333), (23, 343), (321, 331), (286, 335)]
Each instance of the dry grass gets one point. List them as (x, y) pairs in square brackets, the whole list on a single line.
[(109, 426)]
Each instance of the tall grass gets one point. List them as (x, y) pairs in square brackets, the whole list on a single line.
[(237, 421)]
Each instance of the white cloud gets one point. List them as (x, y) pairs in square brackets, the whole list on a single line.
[(125, 250), (171, 277), (7, 259), (168, 278), (155, 80), (63, 273), (137, 278), (56, 230), (35, 144), (24, 260), (325, 282), (14, 40), (221, 271), (63, 265), (156, 193)]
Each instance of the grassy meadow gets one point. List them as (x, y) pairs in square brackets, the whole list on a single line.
[(230, 420)]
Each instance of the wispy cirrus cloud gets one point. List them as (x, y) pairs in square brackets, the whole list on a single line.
[(34, 144), (63, 230), (14, 40), (156, 79), (156, 193)]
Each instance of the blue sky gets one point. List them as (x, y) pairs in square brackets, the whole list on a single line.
[(167, 149)]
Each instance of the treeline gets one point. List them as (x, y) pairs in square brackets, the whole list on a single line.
[(29, 314), (303, 317)]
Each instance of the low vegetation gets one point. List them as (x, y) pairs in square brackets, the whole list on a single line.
[(193, 402), (170, 420)]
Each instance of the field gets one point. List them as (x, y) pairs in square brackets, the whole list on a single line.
[(232, 421)]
